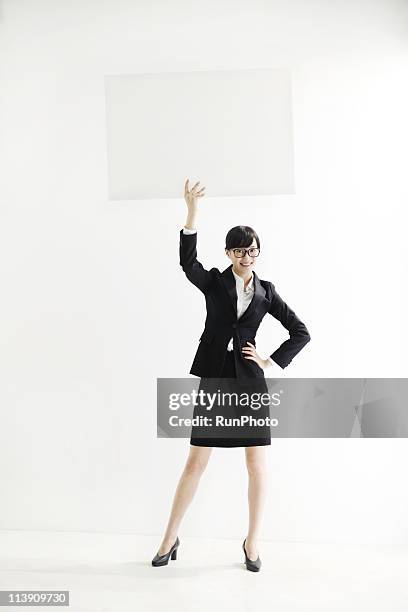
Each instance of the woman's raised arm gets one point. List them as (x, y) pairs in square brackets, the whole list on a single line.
[(192, 268), (191, 196)]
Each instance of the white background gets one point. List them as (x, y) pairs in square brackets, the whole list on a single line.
[(94, 305)]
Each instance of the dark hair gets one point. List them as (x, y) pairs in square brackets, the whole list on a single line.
[(241, 236)]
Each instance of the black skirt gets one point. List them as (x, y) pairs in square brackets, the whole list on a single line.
[(221, 422)]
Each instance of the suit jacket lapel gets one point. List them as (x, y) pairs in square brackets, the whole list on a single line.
[(228, 280), (259, 294)]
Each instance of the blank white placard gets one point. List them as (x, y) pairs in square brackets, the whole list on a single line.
[(232, 130)]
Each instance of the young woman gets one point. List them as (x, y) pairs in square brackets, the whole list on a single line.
[(236, 302)]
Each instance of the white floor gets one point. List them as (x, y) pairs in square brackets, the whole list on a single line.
[(111, 573)]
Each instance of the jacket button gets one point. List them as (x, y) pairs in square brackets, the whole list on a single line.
[(234, 325)]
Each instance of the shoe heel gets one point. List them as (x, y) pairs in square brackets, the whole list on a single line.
[(160, 560)]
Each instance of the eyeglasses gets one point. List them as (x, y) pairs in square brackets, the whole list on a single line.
[(252, 252)]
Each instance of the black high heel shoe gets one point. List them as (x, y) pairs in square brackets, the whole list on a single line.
[(252, 566), (164, 559)]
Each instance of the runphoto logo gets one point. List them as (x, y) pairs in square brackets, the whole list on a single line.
[(208, 400)]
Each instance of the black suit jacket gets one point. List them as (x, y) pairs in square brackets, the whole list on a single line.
[(219, 289)]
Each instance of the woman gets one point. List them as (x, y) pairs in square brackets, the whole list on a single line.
[(236, 302)]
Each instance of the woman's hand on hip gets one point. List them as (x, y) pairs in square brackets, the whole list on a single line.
[(250, 353)]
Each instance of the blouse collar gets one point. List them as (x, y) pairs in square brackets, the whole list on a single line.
[(240, 281)]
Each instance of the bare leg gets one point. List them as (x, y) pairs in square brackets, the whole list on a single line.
[(257, 486), (196, 463)]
